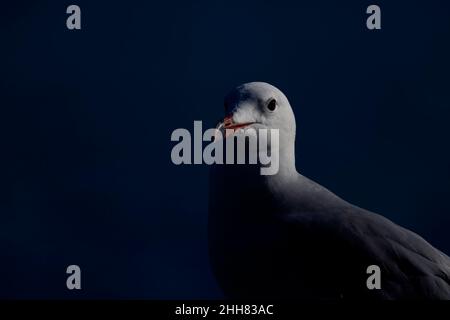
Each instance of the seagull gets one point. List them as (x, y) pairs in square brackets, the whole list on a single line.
[(284, 236)]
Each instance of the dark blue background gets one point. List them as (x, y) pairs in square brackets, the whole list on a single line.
[(86, 117)]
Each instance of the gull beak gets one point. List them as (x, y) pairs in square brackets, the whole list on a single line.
[(229, 126)]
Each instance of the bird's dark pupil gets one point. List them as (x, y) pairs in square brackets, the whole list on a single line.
[(272, 105)]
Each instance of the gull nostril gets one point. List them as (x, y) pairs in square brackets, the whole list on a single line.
[(228, 121)]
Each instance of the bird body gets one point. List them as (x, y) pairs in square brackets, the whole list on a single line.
[(284, 236)]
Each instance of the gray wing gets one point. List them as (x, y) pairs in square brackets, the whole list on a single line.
[(412, 268)]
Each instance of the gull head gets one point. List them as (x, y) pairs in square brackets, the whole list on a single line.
[(259, 105)]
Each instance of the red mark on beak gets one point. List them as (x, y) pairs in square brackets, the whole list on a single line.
[(229, 126), (228, 123)]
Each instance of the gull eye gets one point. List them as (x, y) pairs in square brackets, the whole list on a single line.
[(272, 105)]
